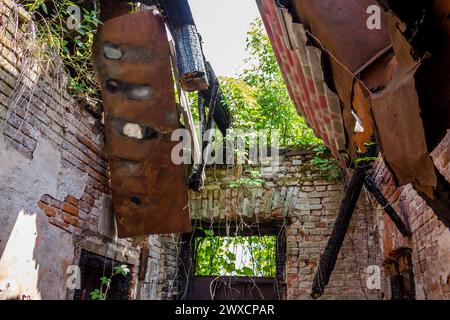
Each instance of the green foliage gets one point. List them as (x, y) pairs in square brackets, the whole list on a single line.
[(97, 295), (241, 100), (240, 256), (252, 178), (259, 99), (324, 162), (122, 269), (105, 282), (73, 46), (366, 159)]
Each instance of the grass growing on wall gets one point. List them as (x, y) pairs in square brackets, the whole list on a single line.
[(70, 35)]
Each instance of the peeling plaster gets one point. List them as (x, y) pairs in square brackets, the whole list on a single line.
[(107, 223), (71, 182), (38, 271)]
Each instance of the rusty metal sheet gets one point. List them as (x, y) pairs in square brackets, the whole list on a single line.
[(427, 29), (409, 110), (374, 78), (301, 61), (133, 66), (397, 114), (341, 28), (361, 103), (301, 65)]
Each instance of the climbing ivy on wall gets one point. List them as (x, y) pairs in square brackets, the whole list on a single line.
[(325, 163)]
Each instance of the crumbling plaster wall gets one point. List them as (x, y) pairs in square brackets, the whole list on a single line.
[(296, 194), (160, 280), (34, 253), (55, 198)]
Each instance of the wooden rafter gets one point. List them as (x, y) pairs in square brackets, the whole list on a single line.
[(330, 254), (378, 195)]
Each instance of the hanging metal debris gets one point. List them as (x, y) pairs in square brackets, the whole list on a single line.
[(134, 70)]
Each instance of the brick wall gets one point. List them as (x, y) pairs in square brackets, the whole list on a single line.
[(308, 204), (55, 198), (430, 243), (297, 195), (167, 280), (160, 282), (307, 236)]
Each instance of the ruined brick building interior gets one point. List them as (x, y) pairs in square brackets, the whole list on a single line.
[(64, 223)]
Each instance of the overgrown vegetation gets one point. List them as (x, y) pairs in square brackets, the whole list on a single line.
[(258, 99), (71, 36), (252, 256), (251, 178), (324, 162)]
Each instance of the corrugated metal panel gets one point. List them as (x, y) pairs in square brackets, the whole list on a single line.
[(364, 65), (301, 65)]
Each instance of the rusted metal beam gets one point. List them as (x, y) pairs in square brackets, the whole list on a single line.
[(376, 192)]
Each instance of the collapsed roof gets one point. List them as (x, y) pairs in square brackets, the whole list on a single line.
[(352, 82)]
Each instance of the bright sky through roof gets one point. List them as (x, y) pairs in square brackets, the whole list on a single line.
[(223, 25)]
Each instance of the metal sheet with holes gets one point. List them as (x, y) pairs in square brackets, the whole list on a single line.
[(134, 70)]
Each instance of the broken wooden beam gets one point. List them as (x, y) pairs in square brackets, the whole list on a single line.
[(222, 115), (330, 254), (191, 66), (195, 180), (135, 74), (381, 199), (186, 111)]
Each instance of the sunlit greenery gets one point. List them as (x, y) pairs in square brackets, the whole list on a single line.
[(258, 99), (238, 256)]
